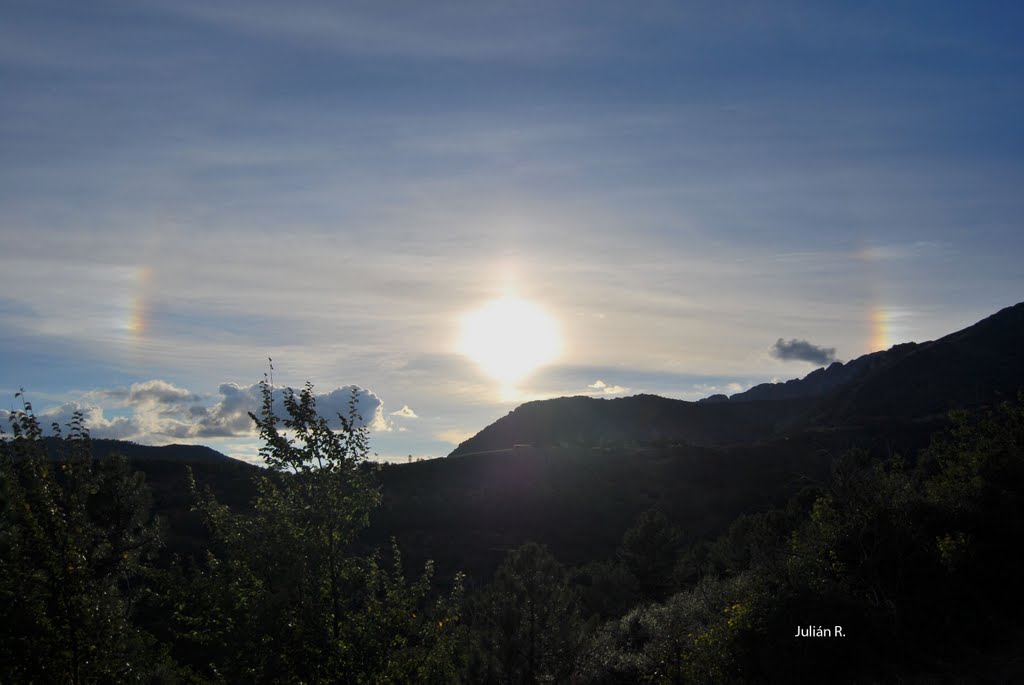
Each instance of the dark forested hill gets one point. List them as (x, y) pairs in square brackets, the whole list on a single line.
[(823, 381), (593, 465), (974, 366), (231, 480), (184, 454), (821, 499), (467, 512), (642, 419), (166, 472)]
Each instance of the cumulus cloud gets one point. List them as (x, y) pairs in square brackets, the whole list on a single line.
[(159, 392), (803, 350), (599, 386), (405, 412), (154, 392), (369, 408), (120, 427), (706, 389), (158, 411), (230, 416)]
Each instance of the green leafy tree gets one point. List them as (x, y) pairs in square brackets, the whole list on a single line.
[(909, 557), (607, 588), (528, 625), (76, 544), (702, 635), (975, 490), (649, 550), (288, 593)]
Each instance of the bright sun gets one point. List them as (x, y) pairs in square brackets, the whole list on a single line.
[(509, 338)]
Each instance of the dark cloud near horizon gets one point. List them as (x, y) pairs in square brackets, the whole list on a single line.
[(802, 350)]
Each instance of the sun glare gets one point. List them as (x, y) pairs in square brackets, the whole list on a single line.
[(509, 338)]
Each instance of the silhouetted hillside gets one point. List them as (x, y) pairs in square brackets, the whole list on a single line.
[(972, 367), (976, 366), (231, 480), (135, 452), (821, 382), (642, 419), (593, 465), (166, 472), (467, 512)]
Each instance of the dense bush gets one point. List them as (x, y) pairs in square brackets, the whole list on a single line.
[(287, 594), (912, 561), (76, 545)]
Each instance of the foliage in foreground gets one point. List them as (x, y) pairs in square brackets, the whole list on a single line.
[(76, 549), (910, 558), (287, 594), (912, 561)]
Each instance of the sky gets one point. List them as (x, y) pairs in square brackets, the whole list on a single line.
[(695, 197)]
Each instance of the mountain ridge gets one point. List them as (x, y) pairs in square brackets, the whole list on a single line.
[(175, 452), (978, 364)]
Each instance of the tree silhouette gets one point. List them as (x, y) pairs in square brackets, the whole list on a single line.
[(528, 621), (289, 592), (76, 543), (649, 550)]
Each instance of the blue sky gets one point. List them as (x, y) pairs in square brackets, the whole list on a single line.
[(188, 188)]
